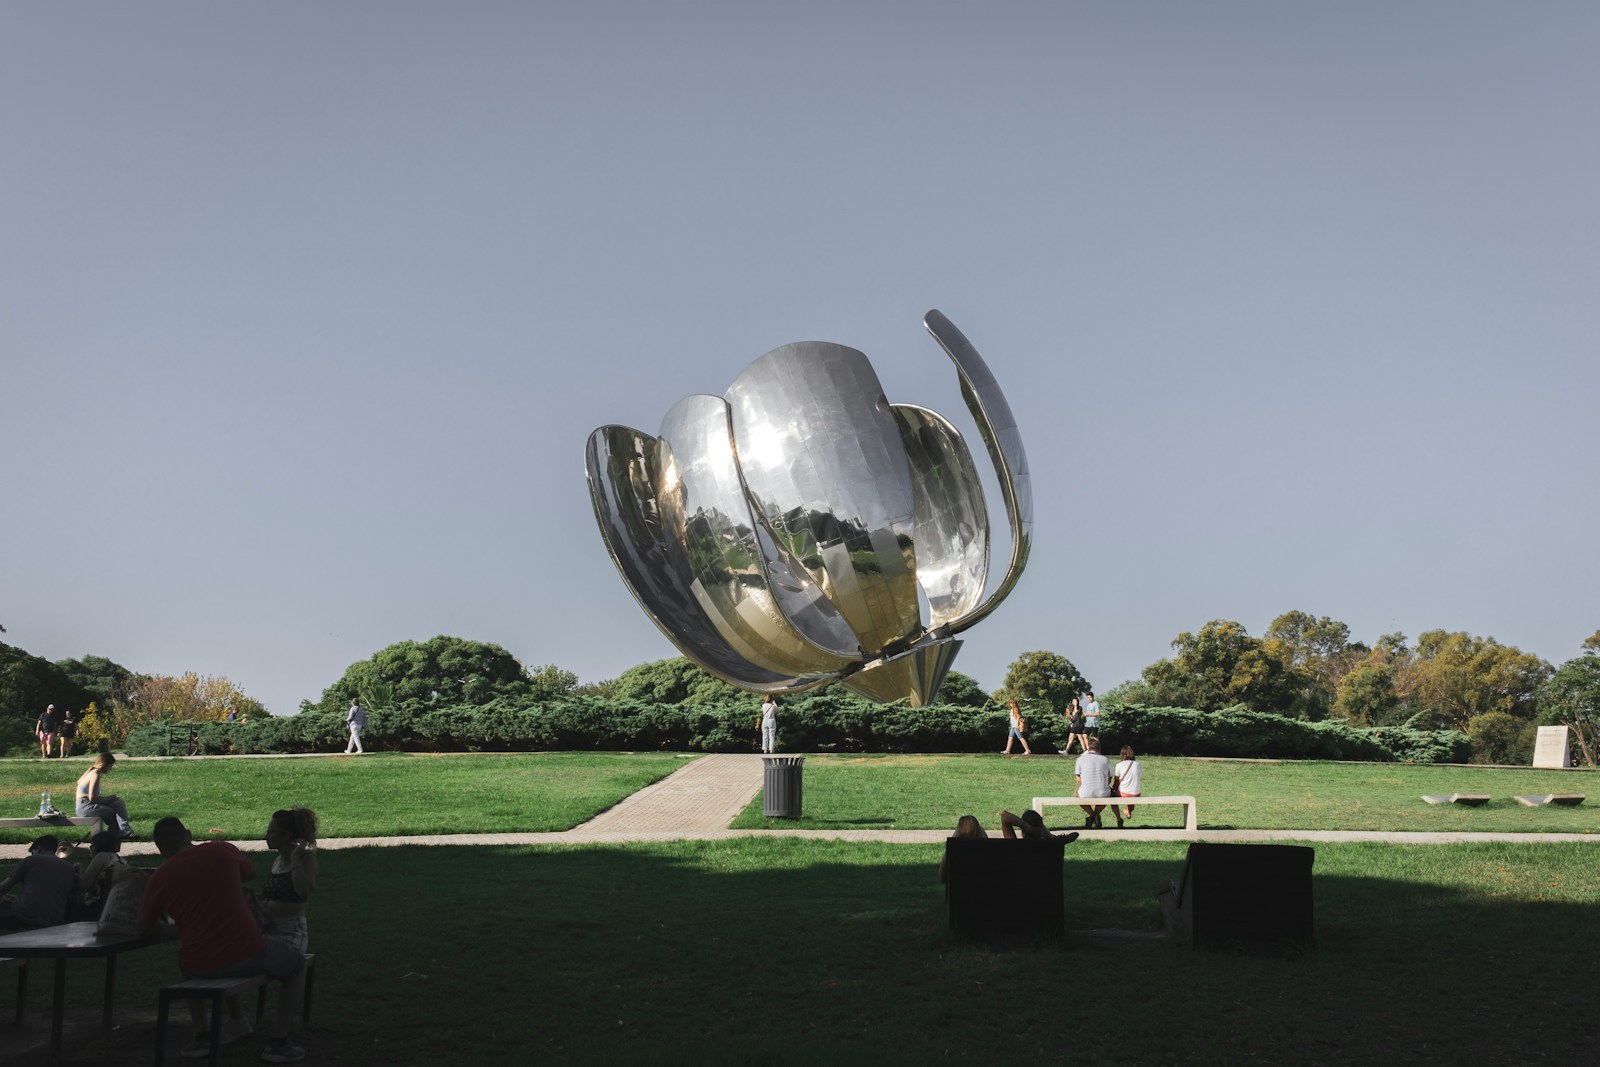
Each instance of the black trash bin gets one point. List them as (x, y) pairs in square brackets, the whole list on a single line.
[(780, 786)]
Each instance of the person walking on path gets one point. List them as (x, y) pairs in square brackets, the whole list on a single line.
[(1091, 716), (1075, 732), (66, 732), (201, 887), (1130, 779), (356, 720), (1017, 731), (1093, 774), (769, 724), (45, 727), (93, 804)]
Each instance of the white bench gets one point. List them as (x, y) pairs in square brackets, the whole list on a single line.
[(1565, 800), (1191, 818), (53, 821)]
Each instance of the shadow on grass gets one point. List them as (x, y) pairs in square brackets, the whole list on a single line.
[(792, 950)]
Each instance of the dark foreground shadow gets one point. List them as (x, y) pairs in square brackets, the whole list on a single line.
[(794, 951)]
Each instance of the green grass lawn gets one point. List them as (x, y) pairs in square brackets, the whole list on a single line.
[(799, 951), (932, 791), (381, 794)]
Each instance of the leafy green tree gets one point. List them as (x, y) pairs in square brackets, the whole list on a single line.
[(27, 684), (549, 682), (1592, 642), (960, 690), (1459, 677), (1571, 698), (103, 679), (1045, 680), (1499, 737), (438, 672), (1366, 695), (1222, 666), (675, 681), (1317, 651)]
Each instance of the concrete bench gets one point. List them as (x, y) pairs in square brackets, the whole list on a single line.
[(1191, 817), (53, 822), (1565, 800), (215, 991), (1466, 800)]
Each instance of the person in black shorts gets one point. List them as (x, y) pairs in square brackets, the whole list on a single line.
[(66, 731)]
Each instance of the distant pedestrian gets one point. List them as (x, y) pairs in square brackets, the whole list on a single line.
[(769, 724), (45, 727), (1091, 716), (1017, 731), (66, 732), (1075, 729), (356, 720)]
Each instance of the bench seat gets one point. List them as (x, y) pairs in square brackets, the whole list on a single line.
[(1191, 817), (215, 991), (56, 821)]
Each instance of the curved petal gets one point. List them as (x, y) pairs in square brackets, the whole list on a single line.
[(952, 538), (827, 473), (705, 510), (622, 468), (999, 430)]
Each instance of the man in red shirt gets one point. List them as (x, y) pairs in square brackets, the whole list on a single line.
[(201, 887)]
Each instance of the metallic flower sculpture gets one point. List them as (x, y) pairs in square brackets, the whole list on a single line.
[(779, 534)]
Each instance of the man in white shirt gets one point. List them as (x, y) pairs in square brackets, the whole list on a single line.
[(1093, 774)]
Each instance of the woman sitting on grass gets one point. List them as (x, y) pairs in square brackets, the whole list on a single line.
[(292, 833)]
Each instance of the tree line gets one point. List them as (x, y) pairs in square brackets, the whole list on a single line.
[(1303, 667)]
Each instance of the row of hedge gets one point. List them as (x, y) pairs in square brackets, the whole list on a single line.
[(824, 723)]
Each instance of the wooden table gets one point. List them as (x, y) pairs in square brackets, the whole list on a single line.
[(72, 941)]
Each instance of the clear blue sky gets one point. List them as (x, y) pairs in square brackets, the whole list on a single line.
[(307, 310)]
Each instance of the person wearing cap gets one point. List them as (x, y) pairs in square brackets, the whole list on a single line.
[(44, 886), (46, 727)]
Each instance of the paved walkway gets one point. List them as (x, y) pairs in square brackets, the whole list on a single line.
[(697, 802)]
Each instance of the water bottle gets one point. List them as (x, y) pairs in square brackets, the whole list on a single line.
[(44, 804)]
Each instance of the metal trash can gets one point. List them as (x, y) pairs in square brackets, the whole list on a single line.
[(780, 786)]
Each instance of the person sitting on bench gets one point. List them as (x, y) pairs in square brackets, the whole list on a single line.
[(45, 882), (966, 826), (201, 887)]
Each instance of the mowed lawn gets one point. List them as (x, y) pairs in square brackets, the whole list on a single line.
[(932, 791), (380, 794), (798, 951)]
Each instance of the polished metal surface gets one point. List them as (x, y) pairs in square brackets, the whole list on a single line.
[(779, 536)]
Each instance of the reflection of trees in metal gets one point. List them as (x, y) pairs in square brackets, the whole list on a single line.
[(779, 535)]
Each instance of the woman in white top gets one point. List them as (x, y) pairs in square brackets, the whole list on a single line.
[(769, 724), (1129, 775)]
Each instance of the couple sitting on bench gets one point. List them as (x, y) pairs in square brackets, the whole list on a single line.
[(201, 888)]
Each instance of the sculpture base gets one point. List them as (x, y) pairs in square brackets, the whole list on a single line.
[(914, 675)]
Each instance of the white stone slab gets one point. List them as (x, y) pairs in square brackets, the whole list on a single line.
[(1551, 749)]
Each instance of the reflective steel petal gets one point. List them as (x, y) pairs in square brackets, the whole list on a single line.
[(704, 508), (622, 469), (952, 538), (999, 430), (821, 455)]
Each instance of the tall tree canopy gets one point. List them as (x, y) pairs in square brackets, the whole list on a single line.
[(674, 681), (1221, 665), (437, 672), (1571, 698), (1044, 680), (1458, 677)]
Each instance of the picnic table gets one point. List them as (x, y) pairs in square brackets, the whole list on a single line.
[(71, 941)]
